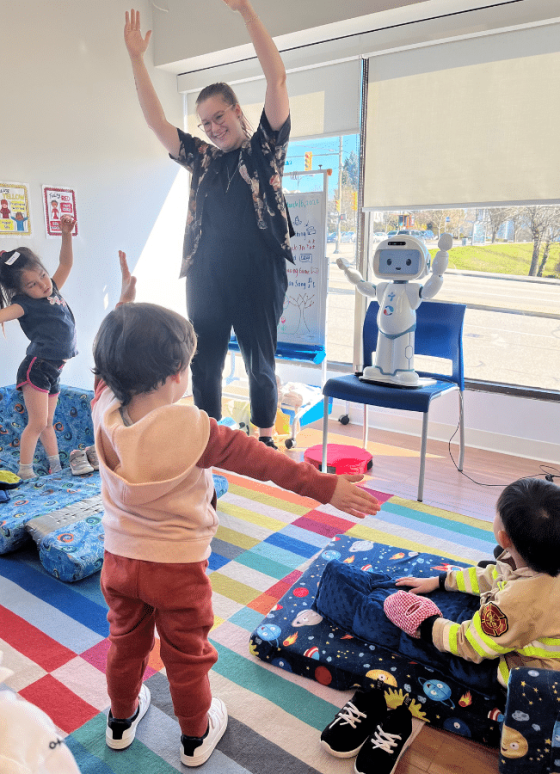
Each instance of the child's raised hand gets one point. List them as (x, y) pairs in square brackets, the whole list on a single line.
[(128, 285), (67, 223), (135, 44), (419, 585), (350, 498)]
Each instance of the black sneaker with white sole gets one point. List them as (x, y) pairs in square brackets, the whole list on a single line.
[(354, 723), (382, 751), (120, 733), (195, 750)]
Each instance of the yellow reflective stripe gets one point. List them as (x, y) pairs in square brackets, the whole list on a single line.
[(460, 578), (494, 573), (534, 650), (554, 641), (473, 578), (451, 632), (471, 637), (487, 642), (503, 671)]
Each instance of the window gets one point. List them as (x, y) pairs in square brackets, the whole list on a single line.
[(341, 154), (458, 139), (505, 265)]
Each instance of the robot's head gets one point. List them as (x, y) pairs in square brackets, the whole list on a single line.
[(402, 257)]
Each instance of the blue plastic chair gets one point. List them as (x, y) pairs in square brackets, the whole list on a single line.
[(439, 333)]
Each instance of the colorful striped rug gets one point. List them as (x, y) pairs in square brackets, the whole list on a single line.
[(54, 636)]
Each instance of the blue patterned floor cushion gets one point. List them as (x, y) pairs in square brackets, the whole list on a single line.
[(68, 554), (38, 497), (297, 638), (531, 731), (70, 540), (220, 485), (73, 426)]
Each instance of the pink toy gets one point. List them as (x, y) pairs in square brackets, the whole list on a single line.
[(341, 458), (407, 611)]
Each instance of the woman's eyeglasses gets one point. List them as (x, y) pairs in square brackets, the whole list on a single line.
[(218, 119)]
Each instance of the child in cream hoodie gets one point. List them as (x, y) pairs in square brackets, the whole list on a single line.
[(156, 458)]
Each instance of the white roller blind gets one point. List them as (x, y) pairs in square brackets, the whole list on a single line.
[(323, 100), (465, 123)]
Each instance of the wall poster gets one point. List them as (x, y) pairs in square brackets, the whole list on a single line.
[(57, 202), (14, 210)]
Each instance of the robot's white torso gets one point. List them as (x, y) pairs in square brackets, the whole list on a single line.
[(397, 304)]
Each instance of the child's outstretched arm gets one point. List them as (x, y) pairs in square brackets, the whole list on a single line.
[(11, 312), (128, 293), (128, 282), (235, 451), (351, 499), (66, 259)]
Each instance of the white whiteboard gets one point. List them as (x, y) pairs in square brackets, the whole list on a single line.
[(303, 320)]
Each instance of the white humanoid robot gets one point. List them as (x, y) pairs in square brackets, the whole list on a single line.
[(399, 260)]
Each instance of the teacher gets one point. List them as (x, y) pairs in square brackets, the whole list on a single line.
[(237, 232)]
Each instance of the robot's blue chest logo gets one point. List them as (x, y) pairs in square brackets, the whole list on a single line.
[(391, 296), (388, 311)]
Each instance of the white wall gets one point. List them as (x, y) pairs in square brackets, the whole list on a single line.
[(70, 118)]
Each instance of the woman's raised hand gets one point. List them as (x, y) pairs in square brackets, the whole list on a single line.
[(136, 45), (237, 5)]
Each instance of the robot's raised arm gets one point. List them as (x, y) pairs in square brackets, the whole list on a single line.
[(363, 287), (439, 265)]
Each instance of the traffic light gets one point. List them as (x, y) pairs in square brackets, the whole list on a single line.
[(337, 204), (308, 161), (354, 200)]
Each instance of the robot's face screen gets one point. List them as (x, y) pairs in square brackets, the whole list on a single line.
[(405, 262)]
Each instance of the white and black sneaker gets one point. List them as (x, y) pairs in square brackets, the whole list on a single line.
[(120, 733), (195, 750), (382, 751), (355, 722)]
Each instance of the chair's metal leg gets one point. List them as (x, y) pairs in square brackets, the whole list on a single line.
[(461, 431), (325, 431), (365, 435), (422, 457)]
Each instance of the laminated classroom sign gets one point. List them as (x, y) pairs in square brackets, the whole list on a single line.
[(14, 210), (58, 202)]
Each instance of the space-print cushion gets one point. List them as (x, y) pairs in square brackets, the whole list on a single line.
[(37, 497), (530, 742), (298, 639)]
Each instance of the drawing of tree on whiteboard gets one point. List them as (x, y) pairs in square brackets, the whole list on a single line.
[(302, 302)]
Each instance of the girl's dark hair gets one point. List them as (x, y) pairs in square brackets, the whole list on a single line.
[(139, 345), (228, 95), (11, 274), (530, 512)]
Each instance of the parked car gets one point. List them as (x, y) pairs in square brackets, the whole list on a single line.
[(391, 233), (331, 237), (413, 232), (379, 236), (348, 236)]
